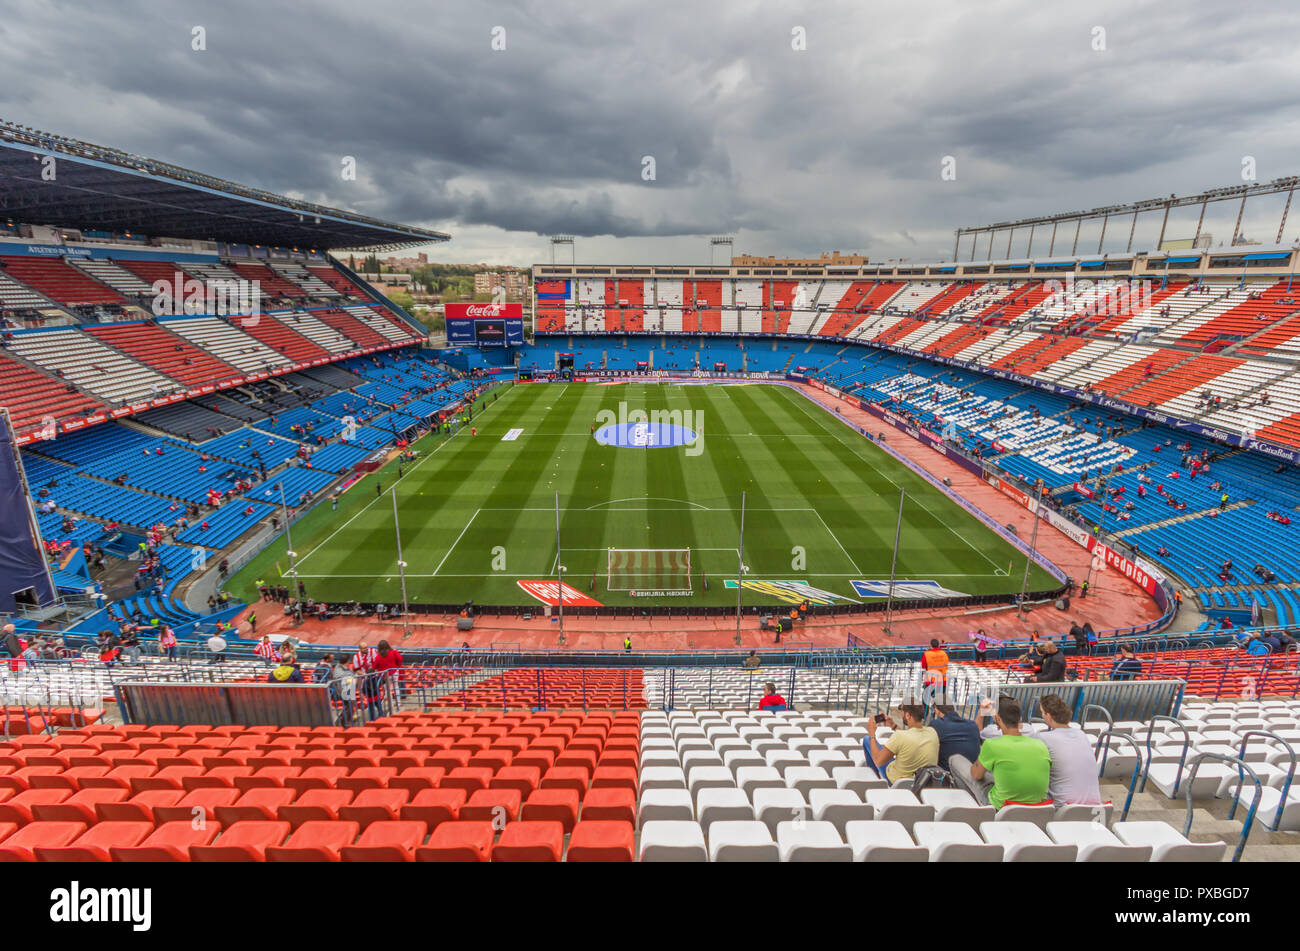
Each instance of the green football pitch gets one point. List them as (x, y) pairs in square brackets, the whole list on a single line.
[(478, 513)]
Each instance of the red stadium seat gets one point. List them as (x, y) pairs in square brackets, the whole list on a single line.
[(435, 806), (571, 757), (492, 805), (315, 841), (245, 841), (169, 842), (614, 777), (93, 845), (540, 841), (21, 845), (375, 805), (271, 776), (558, 805), (260, 803), (140, 807), (315, 805), (368, 777), (468, 778), (576, 778), (317, 777), (18, 808), (196, 804), (121, 776), (609, 803), (416, 778), (79, 807), (601, 841), (523, 778), (169, 777), (384, 842), (458, 842)]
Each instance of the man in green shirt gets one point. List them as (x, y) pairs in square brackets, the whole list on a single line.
[(1010, 768)]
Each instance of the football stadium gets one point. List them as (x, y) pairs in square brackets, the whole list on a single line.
[(979, 557)]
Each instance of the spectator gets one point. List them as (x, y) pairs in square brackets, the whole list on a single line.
[(108, 649), (342, 685), (266, 650), (12, 644), (956, 734), (386, 659), (217, 645), (1052, 668), (752, 662), (130, 644), (935, 664), (285, 674), (1073, 777), (981, 645), (1020, 765), (167, 642), (1127, 666), (907, 749), (1080, 638), (772, 701)]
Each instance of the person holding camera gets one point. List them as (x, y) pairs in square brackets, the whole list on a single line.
[(907, 749)]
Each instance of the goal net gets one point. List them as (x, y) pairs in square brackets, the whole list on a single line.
[(649, 569)]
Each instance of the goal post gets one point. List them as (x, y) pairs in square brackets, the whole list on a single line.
[(649, 569)]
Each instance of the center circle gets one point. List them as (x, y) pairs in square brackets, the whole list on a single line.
[(644, 435)]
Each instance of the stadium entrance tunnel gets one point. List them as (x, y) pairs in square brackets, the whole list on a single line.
[(645, 435)]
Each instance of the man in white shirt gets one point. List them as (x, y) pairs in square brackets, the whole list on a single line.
[(1074, 764), (217, 645)]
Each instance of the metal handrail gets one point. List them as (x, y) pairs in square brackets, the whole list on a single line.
[(1108, 735), (1286, 787), (1254, 805), (1187, 742)]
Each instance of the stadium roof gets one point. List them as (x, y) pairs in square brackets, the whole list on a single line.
[(98, 188)]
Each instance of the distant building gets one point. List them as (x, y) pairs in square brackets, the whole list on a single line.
[(827, 258), (514, 280)]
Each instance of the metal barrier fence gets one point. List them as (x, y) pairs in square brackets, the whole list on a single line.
[(355, 701)]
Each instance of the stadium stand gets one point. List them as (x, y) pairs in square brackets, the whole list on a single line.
[(59, 281), (90, 365)]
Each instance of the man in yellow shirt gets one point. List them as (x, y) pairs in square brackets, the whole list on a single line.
[(907, 750)]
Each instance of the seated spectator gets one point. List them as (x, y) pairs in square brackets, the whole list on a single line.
[(956, 734), (1127, 666), (1073, 777), (772, 701), (907, 749), (1052, 669), (1019, 766), (285, 674), (1256, 646), (752, 662)]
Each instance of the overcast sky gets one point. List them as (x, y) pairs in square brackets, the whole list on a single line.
[(836, 146)]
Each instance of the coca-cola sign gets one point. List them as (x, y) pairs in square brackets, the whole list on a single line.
[(472, 311)]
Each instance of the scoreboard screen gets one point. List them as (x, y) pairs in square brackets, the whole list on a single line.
[(491, 332)]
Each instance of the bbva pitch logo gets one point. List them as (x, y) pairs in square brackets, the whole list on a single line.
[(656, 429), (75, 904)]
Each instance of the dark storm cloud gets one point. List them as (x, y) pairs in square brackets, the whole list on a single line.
[(835, 146)]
